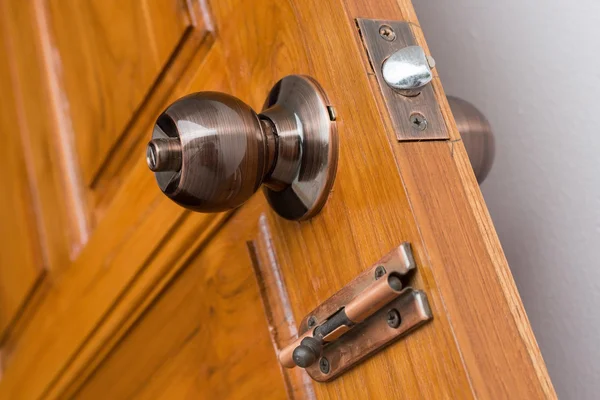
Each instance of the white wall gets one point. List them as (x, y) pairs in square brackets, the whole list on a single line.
[(533, 68)]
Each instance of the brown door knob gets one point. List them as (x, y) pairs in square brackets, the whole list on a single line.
[(476, 134), (210, 151)]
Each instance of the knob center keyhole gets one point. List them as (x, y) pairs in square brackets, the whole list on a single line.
[(151, 156), (164, 155)]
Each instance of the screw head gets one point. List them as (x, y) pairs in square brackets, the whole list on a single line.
[(324, 365), (312, 321), (418, 121), (379, 271), (164, 154), (393, 318), (387, 33)]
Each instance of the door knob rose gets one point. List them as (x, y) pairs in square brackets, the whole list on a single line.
[(210, 151)]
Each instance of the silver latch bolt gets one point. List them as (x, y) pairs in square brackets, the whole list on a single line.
[(408, 70)]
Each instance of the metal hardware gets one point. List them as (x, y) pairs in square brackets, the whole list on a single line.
[(476, 134), (367, 314), (210, 152), (403, 72), (332, 114), (324, 365), (379, 271), (393, 318), (164, 154), (387, 33), (408, 69), (418, 121)]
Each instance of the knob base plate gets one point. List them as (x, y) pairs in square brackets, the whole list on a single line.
[(298, 107)]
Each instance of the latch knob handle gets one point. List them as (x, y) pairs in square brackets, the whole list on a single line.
[(210, 151), (408, 69)]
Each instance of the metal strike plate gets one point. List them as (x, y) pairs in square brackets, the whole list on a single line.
[(374, 332), (413, 117)]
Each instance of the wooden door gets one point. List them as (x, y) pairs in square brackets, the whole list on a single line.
[(111, 291)]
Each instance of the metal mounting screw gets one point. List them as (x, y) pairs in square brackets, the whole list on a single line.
[(418, 121), (312, 321), (393, 318), (387, 33), (379, 271), (324, 365)]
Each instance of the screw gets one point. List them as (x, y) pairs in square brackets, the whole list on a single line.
[(379, 271), (164, 155), (324, 365), (418, 121), (312, 321), (387, 33), (393, 318)]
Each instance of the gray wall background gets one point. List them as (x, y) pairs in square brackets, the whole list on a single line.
[(533, 68)]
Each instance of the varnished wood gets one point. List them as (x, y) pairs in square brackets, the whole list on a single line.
[(115, 50), (194, 326), (63, 214), (21, 261), (129, 235), (460, 234), (125, 315)]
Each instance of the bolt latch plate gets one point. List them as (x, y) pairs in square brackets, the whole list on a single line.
[(402, 109), (384, 322)]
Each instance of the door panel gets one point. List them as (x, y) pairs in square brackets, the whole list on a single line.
[(21, 263), (109, 54), (205, 336), (138, 241), (155, 301)]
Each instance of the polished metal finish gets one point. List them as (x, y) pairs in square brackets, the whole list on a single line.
[(403, 71), (210, 152), (393, 318), (374, 334), (373, 298), (476, 134), (307, 147), (370, 312), (407, 70), (387, 33), (224, 151), (164, 154), (418, 121), (305, 350)]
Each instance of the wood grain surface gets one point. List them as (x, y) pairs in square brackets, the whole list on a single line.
[(205, 336), (21, 262), (56, 342), (110, 53), (158, 302)]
